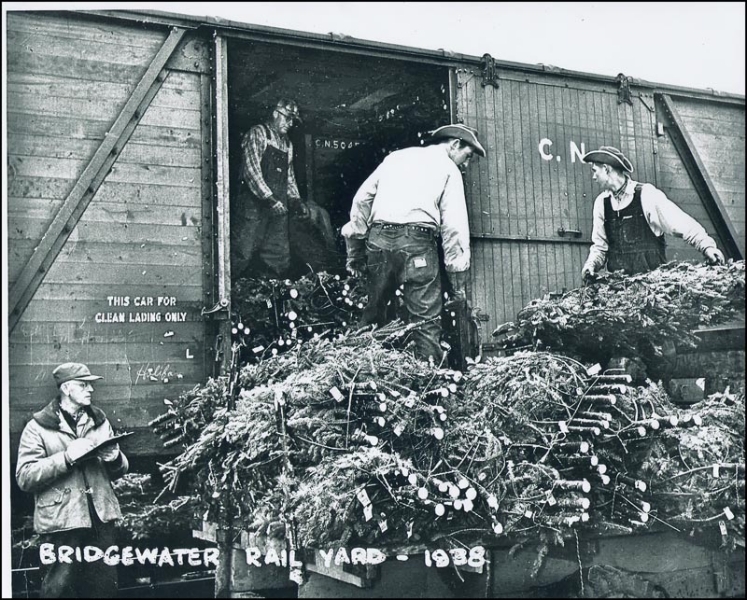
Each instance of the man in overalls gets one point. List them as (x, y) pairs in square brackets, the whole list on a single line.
[(631, 219), (267, 193)]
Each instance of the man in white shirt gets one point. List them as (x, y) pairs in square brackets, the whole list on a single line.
[(414, 196), (631, 219)]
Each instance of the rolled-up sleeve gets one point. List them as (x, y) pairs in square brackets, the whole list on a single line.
[(665, 217), (455, 224), (599, 245), (293, 192), (253, 146)]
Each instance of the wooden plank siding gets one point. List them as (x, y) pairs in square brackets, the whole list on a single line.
[(521, 195), (675, 182), (718, 132), (148, 231), (144, 233)]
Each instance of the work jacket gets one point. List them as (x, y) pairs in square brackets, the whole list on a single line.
[(61, 491)]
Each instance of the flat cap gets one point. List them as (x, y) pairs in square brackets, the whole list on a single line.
[(69, 371)]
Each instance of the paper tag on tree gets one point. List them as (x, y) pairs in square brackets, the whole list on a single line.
[(269, 303), (383, 526), (715, 470), (363, 498), (722, 527), (551, 500), (368, 512), (336, 394), (591, 371), (563, 426), (258, 349), (727, 513)]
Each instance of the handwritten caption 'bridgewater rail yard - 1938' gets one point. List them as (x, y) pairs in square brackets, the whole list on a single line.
[(127, 555)]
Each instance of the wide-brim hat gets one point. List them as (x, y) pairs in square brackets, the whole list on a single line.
[(69, 371), (289, 108), (609, 156), (459, 132)]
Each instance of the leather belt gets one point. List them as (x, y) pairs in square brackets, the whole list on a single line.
[(405, 225)]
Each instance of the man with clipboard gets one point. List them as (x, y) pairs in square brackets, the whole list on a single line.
[(66, 459)]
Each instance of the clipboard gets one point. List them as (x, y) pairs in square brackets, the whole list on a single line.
[(107, 442)]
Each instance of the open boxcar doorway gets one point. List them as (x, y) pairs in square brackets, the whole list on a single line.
[(355, 108)]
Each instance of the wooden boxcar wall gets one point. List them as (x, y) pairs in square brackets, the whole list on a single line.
[(530, 200), (146, 233), (717, 132)]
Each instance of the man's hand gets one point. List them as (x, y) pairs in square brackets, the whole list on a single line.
[(459, 295), (714, 256), (456, 297), (77, 448), (356, 256), (278, 208), (109, 453), (356, 266), (587, 274)]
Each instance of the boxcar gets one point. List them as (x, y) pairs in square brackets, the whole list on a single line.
[(123, 130)]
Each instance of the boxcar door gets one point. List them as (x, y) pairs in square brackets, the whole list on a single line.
[(110, 213), (530, 201)]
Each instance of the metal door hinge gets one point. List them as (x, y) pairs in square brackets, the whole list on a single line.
[(221, 305), (623, 92), (489, 71)]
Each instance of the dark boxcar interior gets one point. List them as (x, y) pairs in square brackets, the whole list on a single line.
[(355, 109)]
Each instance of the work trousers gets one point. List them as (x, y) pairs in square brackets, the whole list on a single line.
[(259, 236), (406, 256), (81, 579)]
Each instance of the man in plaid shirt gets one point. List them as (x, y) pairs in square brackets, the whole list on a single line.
[(267, 194)]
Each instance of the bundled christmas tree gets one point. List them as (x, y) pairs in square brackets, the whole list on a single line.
[(348, 442), (339, 437), (698, 468), (147, 517), (632, 316), (272, 316)]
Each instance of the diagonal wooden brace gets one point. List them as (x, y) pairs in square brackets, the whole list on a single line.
[(89, 181), (702, 180)]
